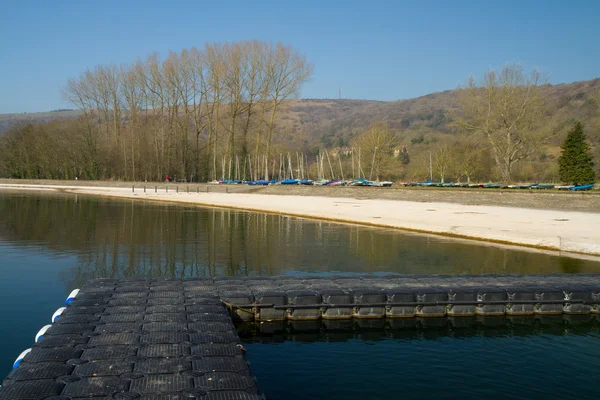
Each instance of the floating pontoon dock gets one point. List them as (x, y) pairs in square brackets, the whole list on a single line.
[(176, 339)]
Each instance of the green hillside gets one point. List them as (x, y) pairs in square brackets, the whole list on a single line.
[(311, 125)]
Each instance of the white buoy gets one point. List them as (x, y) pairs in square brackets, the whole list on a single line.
[(41, 332), (72, 296), (57, 314), (21, 356)]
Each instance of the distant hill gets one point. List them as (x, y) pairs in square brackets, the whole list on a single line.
[(330, 120), (8, 120), (423, 126), (330, 123)]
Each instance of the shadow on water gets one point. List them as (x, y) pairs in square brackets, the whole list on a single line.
[(120, 238)]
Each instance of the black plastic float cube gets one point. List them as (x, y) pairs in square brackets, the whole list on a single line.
[(304, 297), (516, 294), (461, 295), (271, 297), (431, 295), (400, 295), (577, 293), (368, 297), (595, 308), (548, 294), (337, 296), (241, 303), (491, 294)]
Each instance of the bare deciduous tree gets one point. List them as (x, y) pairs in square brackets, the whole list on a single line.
[(287, 70), (376, 146), (160, 117), (443, 161), (506, 107), (468, 158)]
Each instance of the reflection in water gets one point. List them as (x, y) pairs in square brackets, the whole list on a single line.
[(570, 265), (50, 244), (418, 328), (512, 358), (120, 238)]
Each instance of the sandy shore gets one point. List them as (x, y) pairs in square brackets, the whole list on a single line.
[(536, 199), (565, 231)]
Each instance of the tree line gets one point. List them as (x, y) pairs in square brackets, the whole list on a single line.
[(181, 115), (500, 121), (210, 113)]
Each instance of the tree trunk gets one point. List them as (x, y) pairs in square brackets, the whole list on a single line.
[(270, 134), (246, 128), (231, 147)]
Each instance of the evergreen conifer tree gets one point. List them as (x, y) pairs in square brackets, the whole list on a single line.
[(575, 164)]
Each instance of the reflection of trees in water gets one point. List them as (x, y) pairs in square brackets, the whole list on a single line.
[(113, 238), (570, 265)]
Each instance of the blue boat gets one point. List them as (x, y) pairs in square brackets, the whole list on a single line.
[(361, 182), (289, 182), (258, 182), (426, 183), (306, 182), (582, 187)]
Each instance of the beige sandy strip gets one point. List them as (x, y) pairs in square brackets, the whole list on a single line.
[(565, 231)]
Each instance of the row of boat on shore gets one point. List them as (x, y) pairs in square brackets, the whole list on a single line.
[(306, 182), (429, 183), (538, 186)]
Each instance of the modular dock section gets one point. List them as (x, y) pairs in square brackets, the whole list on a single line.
[(157, 339)]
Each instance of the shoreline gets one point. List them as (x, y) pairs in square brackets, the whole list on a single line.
[(532, 199), (550, 230)]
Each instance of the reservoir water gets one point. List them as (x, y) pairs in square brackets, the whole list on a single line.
[(51, 244)]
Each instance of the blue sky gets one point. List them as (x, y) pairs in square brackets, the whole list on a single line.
[(383, 50)]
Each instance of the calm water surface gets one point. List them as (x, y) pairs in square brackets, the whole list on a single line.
[(50, 244), (552, 359)]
